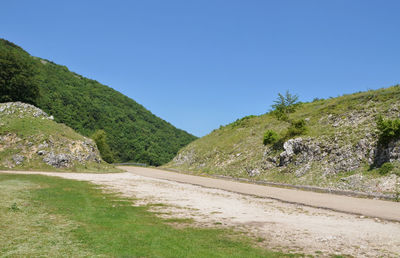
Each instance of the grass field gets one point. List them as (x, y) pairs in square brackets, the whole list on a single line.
[(48, 216)]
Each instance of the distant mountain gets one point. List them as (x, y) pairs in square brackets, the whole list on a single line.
[(336, 143), (133, 132)]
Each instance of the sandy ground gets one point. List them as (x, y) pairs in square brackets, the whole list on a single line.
[(276, 225)]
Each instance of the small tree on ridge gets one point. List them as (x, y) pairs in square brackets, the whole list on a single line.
[(284, 105)]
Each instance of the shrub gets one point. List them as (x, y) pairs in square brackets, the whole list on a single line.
[(270, 137), (100, 137), (14, 207), (296, 128), (386, 168), (241, 122), (388, 129)]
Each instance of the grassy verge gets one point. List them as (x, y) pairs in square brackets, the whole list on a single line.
[(92, 167), (47, 216)]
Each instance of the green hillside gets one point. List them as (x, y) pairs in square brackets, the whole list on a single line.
[(336, 144), (133, 132), (31, 140)]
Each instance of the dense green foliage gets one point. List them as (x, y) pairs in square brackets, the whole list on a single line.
[(386, 168), (388, 129), (100, 137), (297, 127), (284, 105), (133, 132), (270, 137), (54, 217), (18, 75)]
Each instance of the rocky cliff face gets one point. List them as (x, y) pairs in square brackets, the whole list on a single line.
[(332, 157), (340, 149), (30, 139)]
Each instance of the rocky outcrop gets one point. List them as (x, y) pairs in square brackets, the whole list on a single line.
[(75, 151), (61, 148), (58, 160), (22, 110), (388, 153), (186, 158), (303, 150), (18, 159), (335, 158)]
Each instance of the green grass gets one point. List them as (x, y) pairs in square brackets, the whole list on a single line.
[(30, 126), (47, 216), (92, 167)]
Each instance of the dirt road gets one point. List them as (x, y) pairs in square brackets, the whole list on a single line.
[(274, 224), (372, 208)]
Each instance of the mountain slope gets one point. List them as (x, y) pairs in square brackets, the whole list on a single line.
[(133, 132), (339, 148)]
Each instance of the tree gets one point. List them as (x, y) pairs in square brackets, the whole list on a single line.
[(284, 105), (100, 137), (18, 78)]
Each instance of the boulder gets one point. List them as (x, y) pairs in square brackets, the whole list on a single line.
[(58, 160), (18, 159), (302, 170), (253, 172), (388, 153)]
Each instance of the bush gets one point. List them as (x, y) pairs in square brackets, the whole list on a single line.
[(270, 137), (100, 137), (388, 130), (296, 128), (386, 168)]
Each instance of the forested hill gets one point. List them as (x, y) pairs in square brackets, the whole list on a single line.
[(133, 132)]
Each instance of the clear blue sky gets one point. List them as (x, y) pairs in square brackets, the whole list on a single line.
[(205, 63)]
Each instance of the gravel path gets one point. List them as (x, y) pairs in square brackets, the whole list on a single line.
[(275, 224), (386, 210)]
